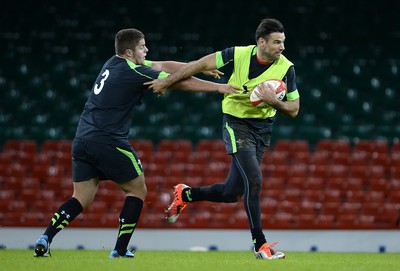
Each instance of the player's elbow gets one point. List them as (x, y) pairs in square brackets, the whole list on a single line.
[(293, 108), (293, 113)]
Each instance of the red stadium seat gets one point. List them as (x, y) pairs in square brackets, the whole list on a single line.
[(7, 194), (276, 158), (26, 159), (335, 183), (46, 195), (395, 159), (12, 205), (292, 195), (210, 145), (341, 158), (47, 207), (177, 170), (35, 219), (292, 145), (281, 221), (296, 182), (17, 145), (14, 170), (7, 158), (350, 208), (346, 221), (290, 207), (218, 170), (332, 196), (366, 222), (54, 146), (394, 196), (204, 222), (375, 196), (359, 171), (360, 158), (338, 171), (111, 220), (319, 171), (154, 169), (12, 219), (388, 217), (307, 221), (220, 156), (333, 145), (314, 183), (197, 170), (371, 208), (278, 171), (199, 157), (320, 158), (309, 207), (175, 145), (353, 184), (303, 158), (98, 207), (144, 146), (153, 221), (29, 195), (314, 195), (379, 184), (275, 194), (161, 158), (274, 183), (297, 170), (11, 183), (269, 206), (325, 221), (381, 159), (355, 196), (238, 222), (376, 172), (370, 146), (395, 147), (395, 172), (180, 157)]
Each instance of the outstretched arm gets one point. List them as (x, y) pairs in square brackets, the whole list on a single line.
[(167, 66), (194, 84), (173, 66), (206, 63)]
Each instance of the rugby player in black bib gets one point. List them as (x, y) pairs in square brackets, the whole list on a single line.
[(101, 150)]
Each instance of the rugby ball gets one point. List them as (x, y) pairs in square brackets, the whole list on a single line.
[(278, 85)]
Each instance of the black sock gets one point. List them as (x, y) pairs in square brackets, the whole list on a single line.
[(128, 219), (258, 238), (212, 193), (64, 215), (187, 195)]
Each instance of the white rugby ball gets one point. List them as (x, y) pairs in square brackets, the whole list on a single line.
[(278, 85)]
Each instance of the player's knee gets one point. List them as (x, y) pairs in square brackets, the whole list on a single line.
[(231, 197), (255, 188)]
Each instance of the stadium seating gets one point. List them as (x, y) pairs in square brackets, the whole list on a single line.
[(297, 193)]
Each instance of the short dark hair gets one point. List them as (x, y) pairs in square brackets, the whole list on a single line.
[(268, 26), (127, 39)]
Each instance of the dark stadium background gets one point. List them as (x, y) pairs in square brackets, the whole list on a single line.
[(344, 51)]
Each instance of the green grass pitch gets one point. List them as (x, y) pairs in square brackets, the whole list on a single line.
[(97, 260)]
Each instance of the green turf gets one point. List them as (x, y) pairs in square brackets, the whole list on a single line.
[(96, 260)]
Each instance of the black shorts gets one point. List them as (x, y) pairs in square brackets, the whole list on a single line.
[(92, 159), (239, 135)]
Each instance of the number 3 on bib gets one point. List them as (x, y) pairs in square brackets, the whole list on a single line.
[(97, 87)]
